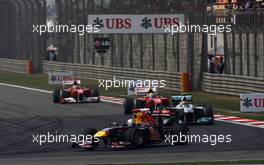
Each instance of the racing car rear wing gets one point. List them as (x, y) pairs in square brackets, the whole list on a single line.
[(71, 82), (134, 90), (177, 98)]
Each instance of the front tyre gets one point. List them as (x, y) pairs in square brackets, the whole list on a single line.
[(128, 105), (136, 137), (56, 95)]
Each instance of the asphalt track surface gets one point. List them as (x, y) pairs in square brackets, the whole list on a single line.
[(24, 113)]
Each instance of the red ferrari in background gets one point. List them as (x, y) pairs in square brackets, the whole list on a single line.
[(150, 100), (75, 93)]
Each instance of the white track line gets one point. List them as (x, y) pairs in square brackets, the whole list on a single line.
[(46, 91), (26, 88), (110, 101)]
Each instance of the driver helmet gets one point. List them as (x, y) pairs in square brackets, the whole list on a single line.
[(166, 121), (150, 92), (115, 124), (75, 84), (184, 100), (130, 122)]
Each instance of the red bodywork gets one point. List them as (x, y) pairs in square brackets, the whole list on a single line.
[(142, 116), (74, 92), (155, 100)]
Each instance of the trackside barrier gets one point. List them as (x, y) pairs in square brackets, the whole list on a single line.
[(19, 66), (232, 84), (95, 72)]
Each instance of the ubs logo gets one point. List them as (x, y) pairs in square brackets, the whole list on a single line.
[(247, 102), (53, 78)]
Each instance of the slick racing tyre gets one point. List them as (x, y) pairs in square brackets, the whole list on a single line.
[(181, 130), (136, 137), (95, 93), (56, 95), (128, 105), (180, 115), (209, 113), (140, 104)]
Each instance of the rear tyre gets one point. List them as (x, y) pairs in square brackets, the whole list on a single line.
[(140, 104), (209, 113), (136, 137), (56, 95), (95, 93), (128, 105), (181, 115), (182, 131)]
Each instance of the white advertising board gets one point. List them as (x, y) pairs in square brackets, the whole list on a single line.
[(253, 102), (56, 78), (135, 23)]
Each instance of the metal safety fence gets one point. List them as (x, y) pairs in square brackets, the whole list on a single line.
[(95, 72), (17, 39), (159, 52), (244, 46), (11, 65), (185, 52), (232, 84)]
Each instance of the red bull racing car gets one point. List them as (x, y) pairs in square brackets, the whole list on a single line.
[(145, 128), (72, 92)]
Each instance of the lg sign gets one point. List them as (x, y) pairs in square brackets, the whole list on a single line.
[(134, 23)]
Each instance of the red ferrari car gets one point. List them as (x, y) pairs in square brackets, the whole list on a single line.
[(75, 93), (151, 100)]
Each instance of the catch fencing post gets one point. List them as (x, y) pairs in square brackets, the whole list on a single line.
[(184, 81), (29, 67)]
